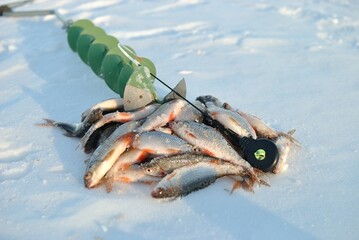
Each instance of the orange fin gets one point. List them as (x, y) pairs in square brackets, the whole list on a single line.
[(47, 123), (124, 179), (236, 185), (207, 152), (172, 116)]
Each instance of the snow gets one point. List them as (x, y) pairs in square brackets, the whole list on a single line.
[(293, 63)]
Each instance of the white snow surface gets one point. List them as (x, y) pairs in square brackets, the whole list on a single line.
[(293, 63)]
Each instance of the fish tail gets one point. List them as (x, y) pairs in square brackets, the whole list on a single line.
[(240, 182), (69, 128), (252, 176), (260, 174), (236, 184)]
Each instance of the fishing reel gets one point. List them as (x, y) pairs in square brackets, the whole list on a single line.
[(260, 153)]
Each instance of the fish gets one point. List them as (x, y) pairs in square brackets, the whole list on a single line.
[(262, 129), (227, 117), (208, 140), (106, 106), (99, 136), (119, 117), (283, 144), (160, 143), (189, 113), (163, 165), (165, 113), (233, 121), (123, 163), (108, 152), (74, 129), (193, 177)]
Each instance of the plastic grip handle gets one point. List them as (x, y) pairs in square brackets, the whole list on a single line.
[(101, 52)]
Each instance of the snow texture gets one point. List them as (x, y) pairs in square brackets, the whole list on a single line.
[(293, 63)]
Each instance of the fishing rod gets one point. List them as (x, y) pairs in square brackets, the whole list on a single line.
[(132, 78)]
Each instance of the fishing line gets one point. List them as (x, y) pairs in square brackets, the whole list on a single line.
[(124, 74)]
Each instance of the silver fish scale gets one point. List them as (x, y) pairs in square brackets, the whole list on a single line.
[(118, 117), (189, 113), (209, 140), (194, 177), (283, 145), (166, 164), (107, 145), (159, 140), (241, 126), (160, 117), (185, 181)]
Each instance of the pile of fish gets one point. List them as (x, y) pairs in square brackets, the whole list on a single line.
[(168, 144)]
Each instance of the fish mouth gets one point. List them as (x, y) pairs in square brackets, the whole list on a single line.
[(88, 180), (158, 193), (162, 193)]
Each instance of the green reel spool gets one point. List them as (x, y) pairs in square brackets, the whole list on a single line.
[(121, 69)]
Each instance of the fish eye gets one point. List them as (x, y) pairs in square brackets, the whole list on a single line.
[(149, 170)]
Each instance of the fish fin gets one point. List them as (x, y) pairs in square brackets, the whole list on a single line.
[(241, 182), (207, 152), (265, 183), (47, 123), (260, 174), (291, 132), (124, 179), (143, 156), (290, 137), (172, 116), (125, 166), (214, 114), (248, 184), (236, 185), (149, 150), (128, 137), (125, 116)]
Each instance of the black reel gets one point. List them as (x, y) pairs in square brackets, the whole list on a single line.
[(260, 153)]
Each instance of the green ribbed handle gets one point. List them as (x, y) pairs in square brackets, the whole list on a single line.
[(102, 53)]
